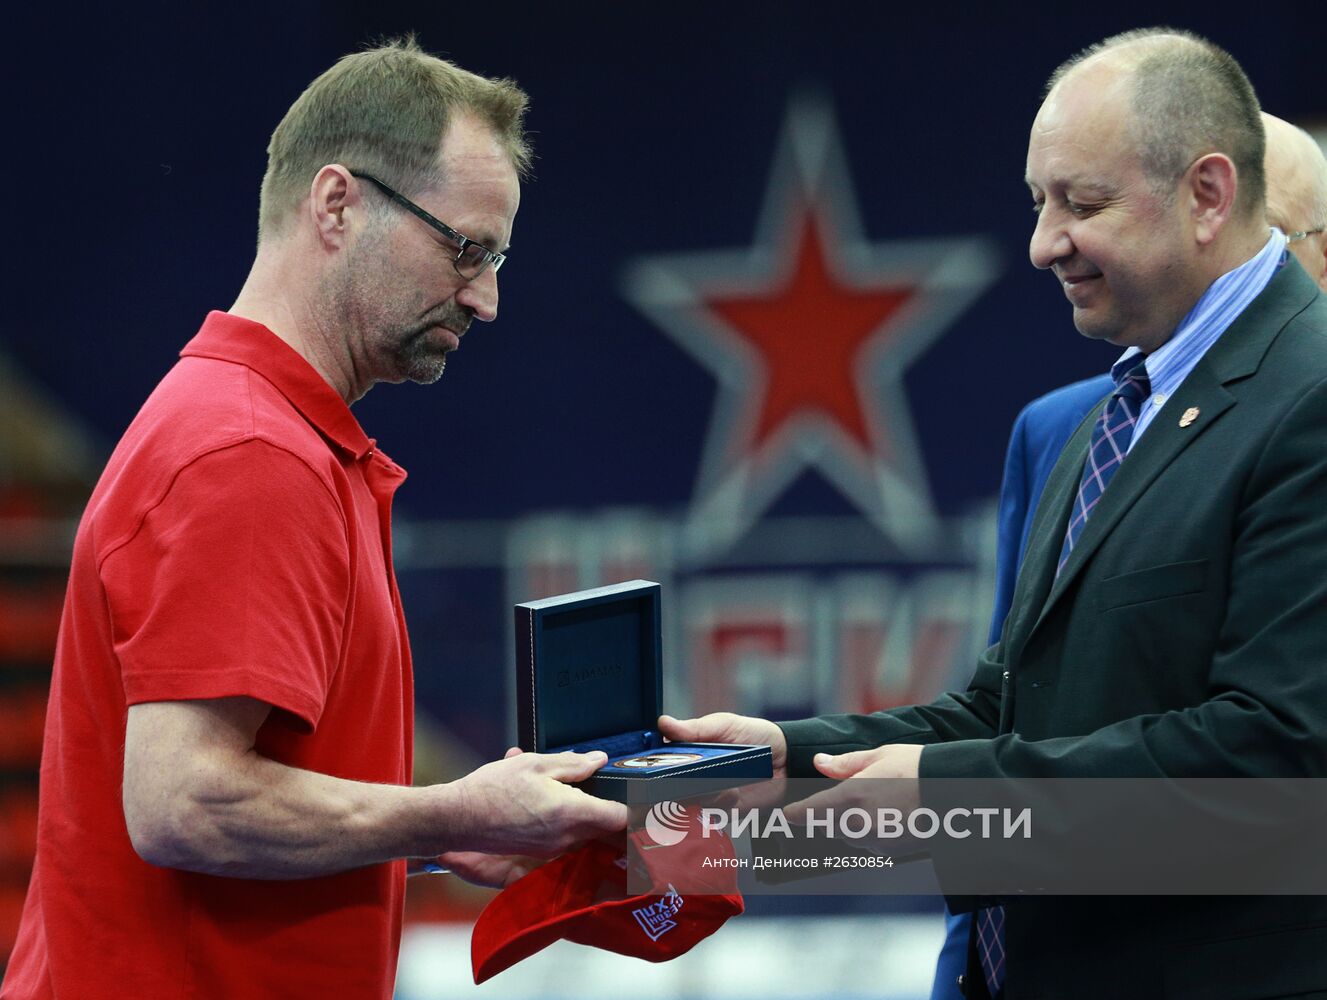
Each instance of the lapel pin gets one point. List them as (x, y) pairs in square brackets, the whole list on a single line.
[(1190, 415)]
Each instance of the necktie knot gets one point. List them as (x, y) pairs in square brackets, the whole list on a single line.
[(1134, 385)]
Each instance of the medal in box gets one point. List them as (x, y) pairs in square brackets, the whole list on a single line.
[(589, 676)]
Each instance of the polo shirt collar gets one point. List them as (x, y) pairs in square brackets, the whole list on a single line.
[(243, 342)]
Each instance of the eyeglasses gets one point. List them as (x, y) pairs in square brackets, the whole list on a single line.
[(471, 259), (1304, 234)]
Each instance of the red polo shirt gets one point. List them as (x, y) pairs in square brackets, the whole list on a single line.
[(238, 543)]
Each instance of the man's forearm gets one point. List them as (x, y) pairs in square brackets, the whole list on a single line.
[(198, 796), (256, 818)]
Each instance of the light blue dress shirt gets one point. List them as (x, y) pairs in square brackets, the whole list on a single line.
[(1170, 364)]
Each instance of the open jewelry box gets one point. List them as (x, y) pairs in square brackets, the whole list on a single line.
[(589, 676)]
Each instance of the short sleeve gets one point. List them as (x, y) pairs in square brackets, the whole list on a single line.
[(236, 583)]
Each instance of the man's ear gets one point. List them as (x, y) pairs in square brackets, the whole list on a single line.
[(1210, 185), (333, 196)]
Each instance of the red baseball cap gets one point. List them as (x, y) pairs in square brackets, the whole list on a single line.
[(582, 897)]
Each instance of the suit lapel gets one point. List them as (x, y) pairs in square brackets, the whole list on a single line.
[(1235, 356), (1157, 449), (1047, 532)]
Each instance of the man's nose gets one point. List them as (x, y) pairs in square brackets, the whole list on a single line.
[(1050, 240), (480, 296)]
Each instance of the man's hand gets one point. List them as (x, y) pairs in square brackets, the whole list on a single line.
[(896, 762), (492, 871), (522, 805), (725, 727)]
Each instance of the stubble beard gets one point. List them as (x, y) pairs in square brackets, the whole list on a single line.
[(417, 358), (394, 352)]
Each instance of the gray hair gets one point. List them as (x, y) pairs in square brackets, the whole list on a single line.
[(1296, 177)]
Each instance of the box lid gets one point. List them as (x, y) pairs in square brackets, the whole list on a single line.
[(588, 666)]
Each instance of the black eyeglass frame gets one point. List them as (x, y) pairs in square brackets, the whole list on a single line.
[(479, 257)]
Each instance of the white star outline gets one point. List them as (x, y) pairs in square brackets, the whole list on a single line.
[(945, 276)]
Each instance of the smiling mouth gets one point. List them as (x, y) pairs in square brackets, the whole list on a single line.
[(1076, 285)]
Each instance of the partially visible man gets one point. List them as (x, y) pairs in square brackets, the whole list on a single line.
[(1167, 618), (1296, 189), (225, 806), (1297, 193), (1039, 435)]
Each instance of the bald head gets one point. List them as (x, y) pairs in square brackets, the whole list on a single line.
[(1187, 98), (1297, 192), (1145, 165)]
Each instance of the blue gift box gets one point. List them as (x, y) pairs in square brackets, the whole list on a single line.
[(589, 677)]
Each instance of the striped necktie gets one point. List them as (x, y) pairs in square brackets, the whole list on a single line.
[(1110, 443), (990, 947)]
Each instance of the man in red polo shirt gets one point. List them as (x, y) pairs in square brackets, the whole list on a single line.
[(226, 807)]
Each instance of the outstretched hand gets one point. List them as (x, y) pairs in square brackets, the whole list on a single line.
[(726, 727), (884, 777), (524, 805), (492, 871)]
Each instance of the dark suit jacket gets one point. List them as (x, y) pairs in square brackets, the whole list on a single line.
[(1040, 433), (1186, 637), (1042, 429)]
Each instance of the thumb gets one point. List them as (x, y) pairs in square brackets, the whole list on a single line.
[(677, 730), (512, 752), (843, 765), (570, 766)]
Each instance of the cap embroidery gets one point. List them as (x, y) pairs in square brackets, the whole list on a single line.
[(656, 920)]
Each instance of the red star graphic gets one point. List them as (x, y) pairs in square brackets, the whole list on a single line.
[(810, 333)]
